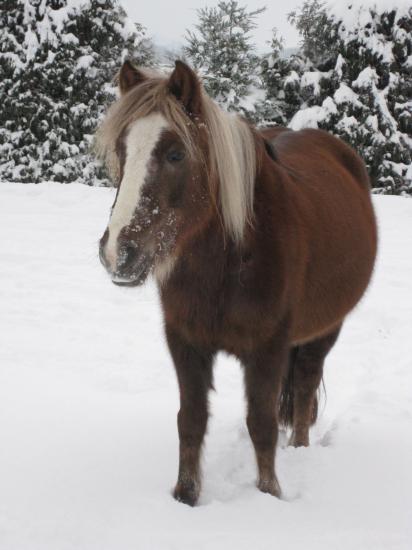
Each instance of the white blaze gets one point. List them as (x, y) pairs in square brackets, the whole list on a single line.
[(140, 141)]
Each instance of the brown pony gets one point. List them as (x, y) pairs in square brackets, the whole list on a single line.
[(261, 243)]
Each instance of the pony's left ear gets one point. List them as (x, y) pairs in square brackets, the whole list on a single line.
[(185, 86), (129, 77)]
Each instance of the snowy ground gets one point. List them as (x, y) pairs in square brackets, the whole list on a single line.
[(88, 402)]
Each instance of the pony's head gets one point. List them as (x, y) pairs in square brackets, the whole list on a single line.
[(178, 160)]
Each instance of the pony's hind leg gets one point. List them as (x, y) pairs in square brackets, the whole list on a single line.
[(194, 374), (305, 376), (263, 379)]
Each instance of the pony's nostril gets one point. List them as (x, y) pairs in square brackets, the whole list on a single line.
[(127, 256)]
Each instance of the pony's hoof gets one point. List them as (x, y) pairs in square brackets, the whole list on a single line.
[(299, 440), (187, 493), (270, 486)]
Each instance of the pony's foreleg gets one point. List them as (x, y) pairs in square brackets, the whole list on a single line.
[(307, 375), (263, 376), (194, 373)]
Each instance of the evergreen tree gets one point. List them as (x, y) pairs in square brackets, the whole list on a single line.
[(362, 91), (224, 54), (280, 82), (57, 63), (318, 43)]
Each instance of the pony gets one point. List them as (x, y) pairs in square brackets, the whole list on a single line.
[(261, 242)]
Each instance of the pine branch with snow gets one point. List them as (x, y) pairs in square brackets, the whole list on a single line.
[(362, 90), (57, 64)]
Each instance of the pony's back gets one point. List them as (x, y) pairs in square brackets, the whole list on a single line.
[(291, 145)]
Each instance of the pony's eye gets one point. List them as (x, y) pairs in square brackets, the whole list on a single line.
[(175, 155)]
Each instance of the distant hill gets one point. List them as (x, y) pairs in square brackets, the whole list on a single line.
[(167, 54), (287, 52)]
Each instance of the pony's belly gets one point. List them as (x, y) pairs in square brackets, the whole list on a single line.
[(325, 306), (337, 274)]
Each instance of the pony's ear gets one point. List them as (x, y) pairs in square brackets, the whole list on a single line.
[(129, 77), (185, 86)]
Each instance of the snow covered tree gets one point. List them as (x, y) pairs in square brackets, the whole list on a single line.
[(222, 50), (318, 42), (57, 62), (280, 82), (362, 89)]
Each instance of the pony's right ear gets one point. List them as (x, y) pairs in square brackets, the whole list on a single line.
[(185, 86), (129, 77)]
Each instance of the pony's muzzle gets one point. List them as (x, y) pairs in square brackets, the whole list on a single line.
[(127, 265)]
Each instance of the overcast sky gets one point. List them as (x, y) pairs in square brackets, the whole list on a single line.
[(166, 21)]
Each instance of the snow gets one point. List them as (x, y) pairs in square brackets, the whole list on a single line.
[(253, 97), (48, 28), (292, 78), (69, 38), (349, 11), (31, 44), (85, 62), (344, 94), (310, 117), (359, 22), (365, 78), (372, 122), (347, 124), (368, 79), (340, 63), (88, 400), (313, 78), (127, 29), (307, 118)]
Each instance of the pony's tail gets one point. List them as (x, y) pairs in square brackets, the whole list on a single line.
[(285, 414)]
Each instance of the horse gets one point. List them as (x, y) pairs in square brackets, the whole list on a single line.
[(261, 242)]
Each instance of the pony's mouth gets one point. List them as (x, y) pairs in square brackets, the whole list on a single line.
[(125, 282), (134, 275), (134, 279)]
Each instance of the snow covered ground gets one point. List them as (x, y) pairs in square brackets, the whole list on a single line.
[(88, 401)]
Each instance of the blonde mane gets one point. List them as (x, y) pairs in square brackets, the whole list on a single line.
[(231, 146)]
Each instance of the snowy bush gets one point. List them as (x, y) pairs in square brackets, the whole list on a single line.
[(359, 86), (57, 63)]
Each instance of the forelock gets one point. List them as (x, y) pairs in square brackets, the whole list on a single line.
[(151, 96)]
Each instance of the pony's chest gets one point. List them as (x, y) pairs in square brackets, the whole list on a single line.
[(224, 313)]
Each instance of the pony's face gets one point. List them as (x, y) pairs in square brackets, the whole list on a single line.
[(161, 198)]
